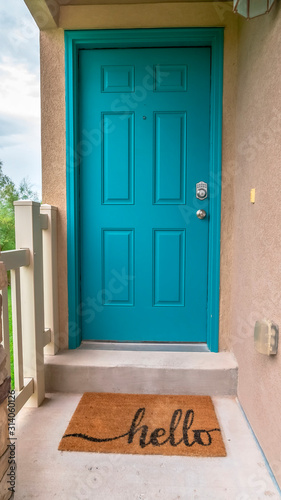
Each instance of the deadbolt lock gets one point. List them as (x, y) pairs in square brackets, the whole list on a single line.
[(201, 190)]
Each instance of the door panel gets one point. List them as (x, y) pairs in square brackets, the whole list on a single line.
[(144, 144), (117, 258), (118, 158), (170, 158), (169, 267)]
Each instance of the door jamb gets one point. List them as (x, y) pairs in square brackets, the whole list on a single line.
[(168, 37)]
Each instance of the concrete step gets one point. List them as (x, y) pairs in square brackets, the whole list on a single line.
[(144, 372)]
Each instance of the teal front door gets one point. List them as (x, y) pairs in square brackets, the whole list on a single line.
[(144, 145)]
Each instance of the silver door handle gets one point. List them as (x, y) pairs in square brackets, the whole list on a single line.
[(201, 214)]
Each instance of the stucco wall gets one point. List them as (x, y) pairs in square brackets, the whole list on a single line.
[(53, 153), (53, 116), (257, 228)]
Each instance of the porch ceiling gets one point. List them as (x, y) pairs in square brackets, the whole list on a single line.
[(100, 2), (47, 13)]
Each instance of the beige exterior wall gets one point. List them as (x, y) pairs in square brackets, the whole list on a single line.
[(53, 116), (257, 228), (53, 153)]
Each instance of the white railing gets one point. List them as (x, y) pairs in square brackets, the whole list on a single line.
[(33, 267)]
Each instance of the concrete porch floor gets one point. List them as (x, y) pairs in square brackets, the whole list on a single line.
[(43, 472)]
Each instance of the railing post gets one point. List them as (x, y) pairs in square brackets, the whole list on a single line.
[(5, 383), (3, 349), (5, 333), (29, 235), (50, 280), (17, 329)]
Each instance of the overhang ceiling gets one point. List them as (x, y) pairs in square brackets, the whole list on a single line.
[(100, 2), (46, 13)]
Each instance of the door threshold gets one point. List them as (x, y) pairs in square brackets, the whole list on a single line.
[(145, 346)]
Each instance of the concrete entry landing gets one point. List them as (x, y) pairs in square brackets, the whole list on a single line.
[(84, 369), (45, 473)]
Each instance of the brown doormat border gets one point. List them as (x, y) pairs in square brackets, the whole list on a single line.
[(144, 424)]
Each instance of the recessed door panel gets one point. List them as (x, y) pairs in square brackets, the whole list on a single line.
[(170, 78), (170, 157), (169, 267), (118, 78), (118, 267), (118, 158)]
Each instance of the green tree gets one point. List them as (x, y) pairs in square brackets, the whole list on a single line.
[(8, 194), (25, 191)]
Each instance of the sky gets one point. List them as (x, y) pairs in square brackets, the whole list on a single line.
[(20, 149)]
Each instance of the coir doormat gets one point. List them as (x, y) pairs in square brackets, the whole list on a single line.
[(144, 424)]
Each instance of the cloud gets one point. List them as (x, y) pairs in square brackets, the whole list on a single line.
[(10, 127), (19, 90), (19, 93), (19, 34), (21, 157)]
